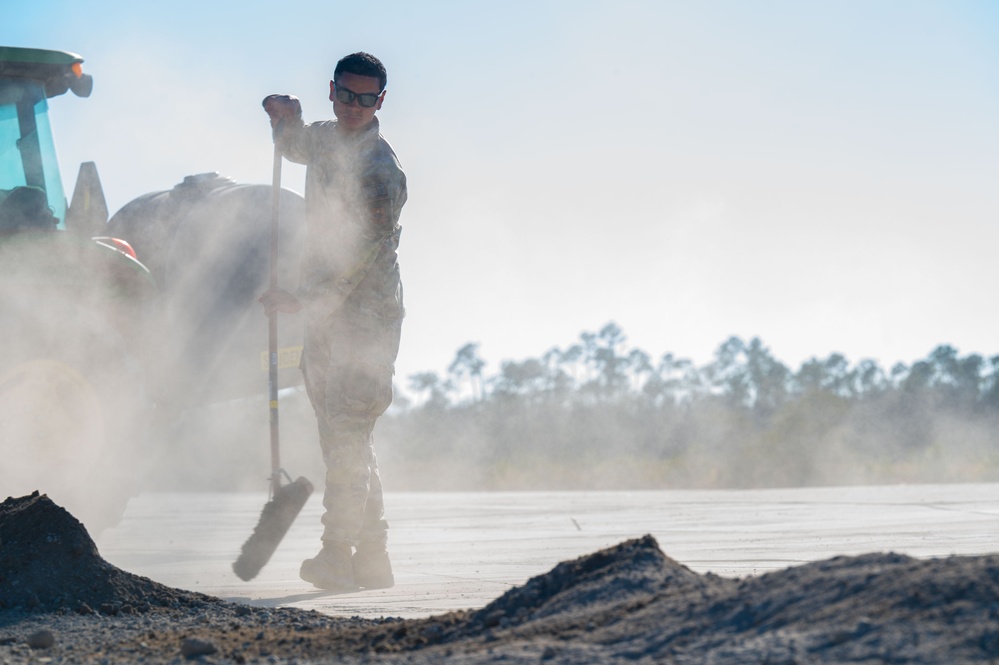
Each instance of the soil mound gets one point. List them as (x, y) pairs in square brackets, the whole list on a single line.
[(631, 603), (881, 607), (48, 562)]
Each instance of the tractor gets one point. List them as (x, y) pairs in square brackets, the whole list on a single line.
[(113, 327)]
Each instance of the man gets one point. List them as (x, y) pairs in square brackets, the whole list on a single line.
[(352, 295)]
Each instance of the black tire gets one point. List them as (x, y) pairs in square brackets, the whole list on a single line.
[(73, 411)]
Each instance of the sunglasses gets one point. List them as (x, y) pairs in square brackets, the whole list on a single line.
[(367, 100)]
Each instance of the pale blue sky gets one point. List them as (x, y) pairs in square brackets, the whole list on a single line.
[(822, 175)]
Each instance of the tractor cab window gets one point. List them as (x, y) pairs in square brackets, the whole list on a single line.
[(27, 151)]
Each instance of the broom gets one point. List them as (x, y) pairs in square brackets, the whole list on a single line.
[(286, 500)]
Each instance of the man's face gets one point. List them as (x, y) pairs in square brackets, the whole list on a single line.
[(353, 116)]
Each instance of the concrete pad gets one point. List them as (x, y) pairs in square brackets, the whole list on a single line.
[(462, 550)]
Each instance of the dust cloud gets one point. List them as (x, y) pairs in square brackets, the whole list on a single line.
[(72, 397), (116, 374), (119, 382)]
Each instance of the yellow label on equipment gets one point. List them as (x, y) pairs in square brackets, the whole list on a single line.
[(287, 358)]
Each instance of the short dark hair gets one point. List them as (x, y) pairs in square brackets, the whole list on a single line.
[(362, 64)]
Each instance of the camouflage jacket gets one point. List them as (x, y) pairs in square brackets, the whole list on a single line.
[(354, 192)]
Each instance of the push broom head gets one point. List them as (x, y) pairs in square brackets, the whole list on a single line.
[(277, 517)]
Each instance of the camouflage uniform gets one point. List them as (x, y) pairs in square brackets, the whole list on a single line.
[(352, 296)]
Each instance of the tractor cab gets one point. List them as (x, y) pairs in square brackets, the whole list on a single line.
[(31, 193)]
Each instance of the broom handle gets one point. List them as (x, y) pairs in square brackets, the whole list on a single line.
[(272, 355)]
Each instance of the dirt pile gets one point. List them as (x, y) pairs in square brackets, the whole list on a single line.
[(632, 603), (48, 562), (628, 603)]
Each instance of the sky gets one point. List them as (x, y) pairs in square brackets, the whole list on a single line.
[(820, 175)]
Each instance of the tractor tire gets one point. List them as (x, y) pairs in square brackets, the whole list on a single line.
[(73, 411)]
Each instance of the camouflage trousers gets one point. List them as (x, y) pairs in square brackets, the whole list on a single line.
[(348, 363)]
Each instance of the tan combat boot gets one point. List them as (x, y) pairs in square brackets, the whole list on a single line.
[(331, 569), (372, 568)]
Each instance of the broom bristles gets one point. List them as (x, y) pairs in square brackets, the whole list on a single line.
[(274, 523)]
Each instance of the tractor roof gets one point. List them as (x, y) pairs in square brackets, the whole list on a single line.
[(58, 71)]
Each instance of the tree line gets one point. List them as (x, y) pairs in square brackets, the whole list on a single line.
[(603, 415)]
